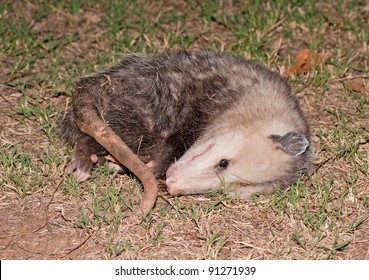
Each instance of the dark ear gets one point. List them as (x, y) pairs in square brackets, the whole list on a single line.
[(292, 143)]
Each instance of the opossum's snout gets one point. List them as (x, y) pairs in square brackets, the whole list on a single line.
[(172, 186), (182, 174), (171, 181), (181, 185)]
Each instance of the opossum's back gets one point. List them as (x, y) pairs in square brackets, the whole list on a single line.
[(176, 79)]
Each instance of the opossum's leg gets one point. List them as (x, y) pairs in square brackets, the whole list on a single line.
[(89, 122), (116, 165), (86, 153)]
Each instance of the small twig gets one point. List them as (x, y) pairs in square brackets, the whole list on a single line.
[(28, 251), (54, 192), (315, 170), (139, 145), (16, 66), (352, 77), (337, 156), (48, 205), (166, 200), (273, 29), (46, 212), (77, 247), (6, 99)]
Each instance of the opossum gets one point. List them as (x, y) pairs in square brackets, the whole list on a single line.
[(203, 120)]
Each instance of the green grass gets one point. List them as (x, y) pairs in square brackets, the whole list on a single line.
[(22, 173)]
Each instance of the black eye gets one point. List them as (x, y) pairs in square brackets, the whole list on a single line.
[(223, 164)]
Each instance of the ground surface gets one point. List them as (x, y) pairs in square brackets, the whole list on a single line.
[(46, 45)]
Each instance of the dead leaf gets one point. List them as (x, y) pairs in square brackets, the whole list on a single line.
[(358, 85), (305, 61)]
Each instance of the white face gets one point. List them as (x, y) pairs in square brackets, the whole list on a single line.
[(231, 157)]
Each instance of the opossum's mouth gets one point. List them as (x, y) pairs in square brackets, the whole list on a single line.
[(180, 178)]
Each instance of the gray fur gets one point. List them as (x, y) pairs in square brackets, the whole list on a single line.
[(161, 105)]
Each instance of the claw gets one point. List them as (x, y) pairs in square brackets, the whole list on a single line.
[(115, 166), (70, 167), (80, 168), (81, 175)]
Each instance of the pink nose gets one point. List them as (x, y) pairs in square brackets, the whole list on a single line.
[(171, 186)]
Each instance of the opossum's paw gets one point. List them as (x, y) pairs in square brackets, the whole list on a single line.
[(246, 192), (114, 164), (80, 168)]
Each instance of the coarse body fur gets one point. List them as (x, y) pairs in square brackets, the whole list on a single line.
[(200, 118)]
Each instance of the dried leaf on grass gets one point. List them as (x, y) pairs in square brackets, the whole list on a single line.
[(358, 85), (305, 61)]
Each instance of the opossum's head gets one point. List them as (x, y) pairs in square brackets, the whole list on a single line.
[(239, 160)]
